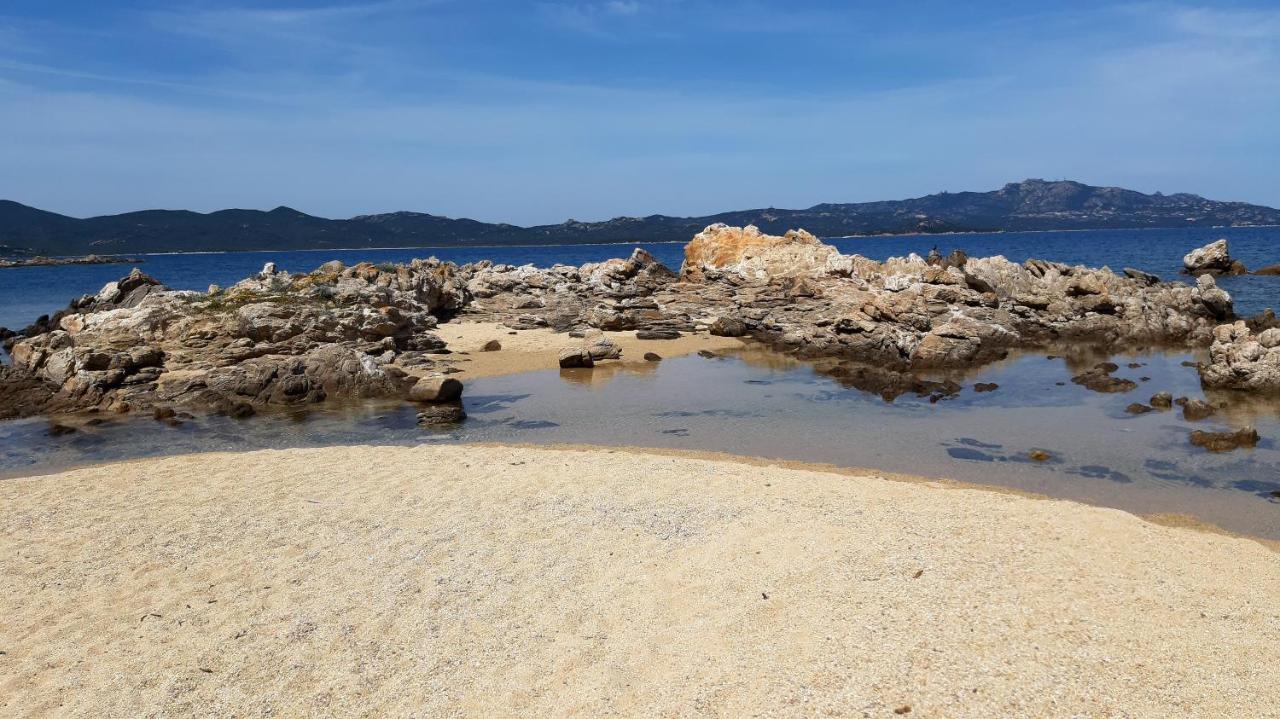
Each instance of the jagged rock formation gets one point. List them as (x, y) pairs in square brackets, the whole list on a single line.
[(281, 339), (1212, 259), (1244, 360), (274, 339)]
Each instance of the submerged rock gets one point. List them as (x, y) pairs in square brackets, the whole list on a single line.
[(1099, 379), (443, 413), (1194, 410), (1225, 441)]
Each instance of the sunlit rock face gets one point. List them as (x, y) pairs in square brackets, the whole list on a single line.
[(749, 253)]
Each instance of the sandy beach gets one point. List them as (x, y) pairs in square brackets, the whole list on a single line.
[(539, 349), (511, 581)]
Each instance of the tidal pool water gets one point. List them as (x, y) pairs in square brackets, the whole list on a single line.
[(762, 403)]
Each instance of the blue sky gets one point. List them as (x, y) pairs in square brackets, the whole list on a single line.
[(535, 112)]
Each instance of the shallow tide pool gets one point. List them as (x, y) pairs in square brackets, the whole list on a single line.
[(761, 403)]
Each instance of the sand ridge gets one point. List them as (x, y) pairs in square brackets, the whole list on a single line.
[(513, 581)]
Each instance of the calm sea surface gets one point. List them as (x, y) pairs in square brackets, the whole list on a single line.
[(26, 293)]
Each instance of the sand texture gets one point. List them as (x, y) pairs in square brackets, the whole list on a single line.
[(538, 349), (518, 582)]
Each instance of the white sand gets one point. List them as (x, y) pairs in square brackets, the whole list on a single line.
[(491, 582), (538, 349)]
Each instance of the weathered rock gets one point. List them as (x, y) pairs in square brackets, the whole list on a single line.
[(728, 327), (986, 387), (491, 346), (1162, 400), (889, 384), (1215, 300), (657, 335), (601, 347), (1212, 259), (1138, 408), (1225, 441), (1040, 455), (652, 357), (436, 389), (751, 254), (1099, 379), (1194, 410), (443, 413), (1269, 270), (571, 357), (1143, 277), (1240, 359)]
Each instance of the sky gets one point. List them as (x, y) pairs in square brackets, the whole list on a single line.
[(538, 112)]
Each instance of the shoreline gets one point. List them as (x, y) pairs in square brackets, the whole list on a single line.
[(481, 580)]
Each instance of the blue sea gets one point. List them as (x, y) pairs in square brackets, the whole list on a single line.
[(26, 293)]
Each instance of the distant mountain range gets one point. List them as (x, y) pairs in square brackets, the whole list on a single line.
[(1029, 205)]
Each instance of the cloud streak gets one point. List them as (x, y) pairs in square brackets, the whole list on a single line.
[(491, 128)]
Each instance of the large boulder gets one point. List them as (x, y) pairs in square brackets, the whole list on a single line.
[(574, 357), (1212, 259), (435, 389), (749, 253)]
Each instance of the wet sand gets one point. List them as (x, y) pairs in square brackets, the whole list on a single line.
[(513, 581), (539, 349)]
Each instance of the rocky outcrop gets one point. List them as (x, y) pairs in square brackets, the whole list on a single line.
[(1241, 359), (1212, 259), (283, 339), (273, 339)]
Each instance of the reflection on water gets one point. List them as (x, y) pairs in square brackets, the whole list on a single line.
[(1036, 431)]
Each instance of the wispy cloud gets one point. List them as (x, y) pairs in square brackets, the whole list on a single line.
[(303, 16), (1237, 24), (591, 18), (459, 108)]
